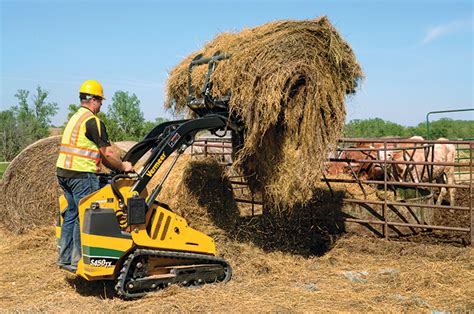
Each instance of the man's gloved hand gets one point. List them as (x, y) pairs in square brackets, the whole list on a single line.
[(127, 166)]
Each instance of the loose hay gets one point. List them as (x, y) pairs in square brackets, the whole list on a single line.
[(204, 196), (400, 277), (288, 81), (198, 190), (30, 189)]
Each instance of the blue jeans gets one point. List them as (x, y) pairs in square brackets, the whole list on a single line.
[(70, 242)]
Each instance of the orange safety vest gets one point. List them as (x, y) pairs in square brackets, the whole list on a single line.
[(77, 152)]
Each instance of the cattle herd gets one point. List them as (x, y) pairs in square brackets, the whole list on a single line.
[(412, 160)]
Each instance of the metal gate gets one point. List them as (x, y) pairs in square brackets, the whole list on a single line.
[(416, 178), (378, 153)]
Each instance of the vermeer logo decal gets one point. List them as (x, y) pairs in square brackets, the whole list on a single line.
[(157, 164)]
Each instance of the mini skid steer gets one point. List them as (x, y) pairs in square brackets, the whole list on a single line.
[(127, 235)]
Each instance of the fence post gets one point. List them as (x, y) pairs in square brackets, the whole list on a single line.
[(470, 193), (265, 210), (384, 211)]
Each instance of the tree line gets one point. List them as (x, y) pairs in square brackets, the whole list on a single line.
[(30, 120), (444, 127)]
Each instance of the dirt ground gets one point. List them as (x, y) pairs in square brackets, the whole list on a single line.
[(356, 274)]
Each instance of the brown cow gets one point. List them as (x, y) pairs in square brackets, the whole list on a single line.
[(367, 170)]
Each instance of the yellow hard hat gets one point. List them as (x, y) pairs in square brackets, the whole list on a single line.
[(93, 88)]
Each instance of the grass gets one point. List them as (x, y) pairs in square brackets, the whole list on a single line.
[(3, 167)]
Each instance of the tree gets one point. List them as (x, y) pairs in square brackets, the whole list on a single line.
[(71, 110), (10, 145), (25, 124), (149, 125), (124, 119), (33, 121)]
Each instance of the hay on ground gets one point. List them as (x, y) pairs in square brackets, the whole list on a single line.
[(288, 81), (358, 275)]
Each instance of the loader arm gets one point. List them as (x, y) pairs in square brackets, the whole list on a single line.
[(167, 139), (150, 141), (175, 136)]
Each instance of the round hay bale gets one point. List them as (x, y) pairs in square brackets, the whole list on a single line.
[(30, 189), (287, 82)]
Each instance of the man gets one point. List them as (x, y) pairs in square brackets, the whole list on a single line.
[(84, 145)]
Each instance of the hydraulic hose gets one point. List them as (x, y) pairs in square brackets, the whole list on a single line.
[(115, 188)]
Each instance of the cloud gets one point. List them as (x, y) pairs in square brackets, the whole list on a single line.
[(449, 28)]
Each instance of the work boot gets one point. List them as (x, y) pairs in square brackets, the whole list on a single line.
[(69, 268)]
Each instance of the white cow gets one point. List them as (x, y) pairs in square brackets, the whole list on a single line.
[(441, 174)]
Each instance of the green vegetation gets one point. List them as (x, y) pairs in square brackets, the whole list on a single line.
[(3, 167), (25, 123), (125, 120), (445, 127)]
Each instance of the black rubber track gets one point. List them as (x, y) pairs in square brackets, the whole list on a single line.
[(127, 269)]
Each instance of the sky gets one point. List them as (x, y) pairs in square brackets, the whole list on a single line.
[(417, 55)]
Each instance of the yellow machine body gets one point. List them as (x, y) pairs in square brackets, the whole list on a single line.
[(106, 238)]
